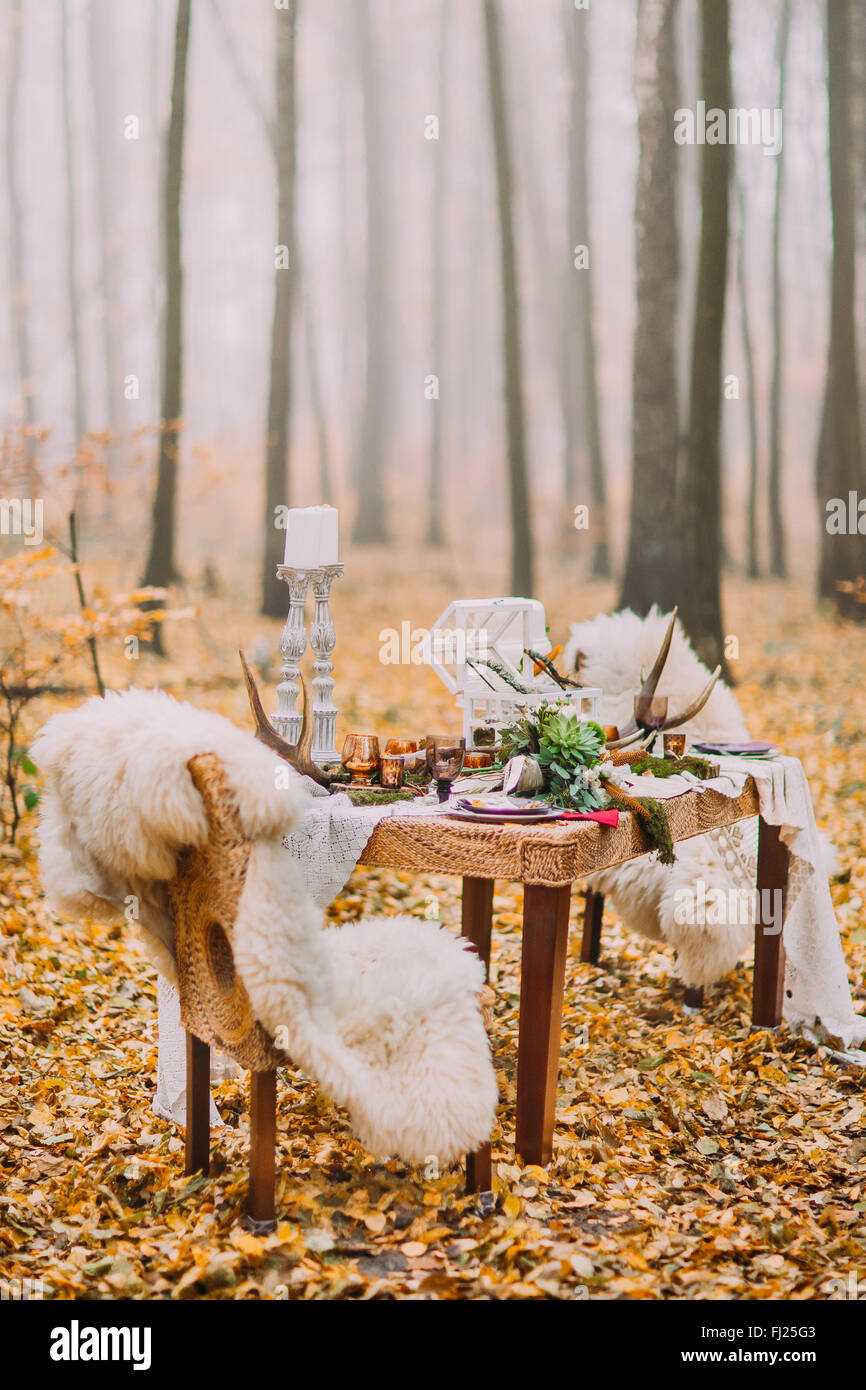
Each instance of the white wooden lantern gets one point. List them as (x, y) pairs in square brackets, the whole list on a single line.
[(502, 629)]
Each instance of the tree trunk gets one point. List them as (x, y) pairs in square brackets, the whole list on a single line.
[(435, 534), (161, 566), (473, 369), (100, 35), (555, 292), (571, 381), (752, 562), (700, 520), (371, 525), (71, 237), (652, 572), (521, 533), (17, 290), (277, 482), (348, 296), (778, 564), (840, 461), (582, 297), (319, 415)]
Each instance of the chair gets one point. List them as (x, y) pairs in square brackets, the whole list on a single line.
[(215, 1007)]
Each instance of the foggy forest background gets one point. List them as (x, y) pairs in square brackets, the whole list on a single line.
[(203, 134)]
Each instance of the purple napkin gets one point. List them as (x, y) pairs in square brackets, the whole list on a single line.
[(736, 749)]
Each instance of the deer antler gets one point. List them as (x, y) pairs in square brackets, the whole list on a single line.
[(633, 729), (296, 754), (648, 689), (696, 706), (636, 729)]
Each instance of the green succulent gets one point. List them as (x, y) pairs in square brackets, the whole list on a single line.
[(567, 749), (568, 743)]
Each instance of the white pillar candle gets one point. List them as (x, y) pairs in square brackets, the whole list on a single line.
[(329, 536), (303, 529)]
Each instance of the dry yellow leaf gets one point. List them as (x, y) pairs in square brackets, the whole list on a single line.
[(413, 1248), (247, 1243)]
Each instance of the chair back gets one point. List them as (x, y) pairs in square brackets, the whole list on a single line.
[(203, 898)]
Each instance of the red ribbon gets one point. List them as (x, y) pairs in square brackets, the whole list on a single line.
[(603, 817)]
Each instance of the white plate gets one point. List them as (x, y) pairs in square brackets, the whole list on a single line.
[(489, 818)]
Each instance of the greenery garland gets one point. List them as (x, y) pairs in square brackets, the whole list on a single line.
[(652, 816)]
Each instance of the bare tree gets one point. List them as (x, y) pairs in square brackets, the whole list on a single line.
[(371, 523), (435, 533), (100, 33), (279, 390), (521, 529), (752, 563), (318, 406), (18, 290), (579, 291), (161, 566), (840, 463), (71, 232), (349, 350), (652, 563), (700, 519), (778, 564)]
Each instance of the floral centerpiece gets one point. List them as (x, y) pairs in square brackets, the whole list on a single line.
[(569, 751), (556, 756)]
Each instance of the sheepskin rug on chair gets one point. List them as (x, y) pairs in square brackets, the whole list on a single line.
[(615, 651), (383, 1013)]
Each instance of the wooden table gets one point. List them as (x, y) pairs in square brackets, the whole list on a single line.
[(548, 859)]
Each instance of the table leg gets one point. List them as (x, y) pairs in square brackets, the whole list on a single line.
[(479, 1170), (593, 911), (769, 978), (542, 982), (478, 916), (263, 1141), (476, 927), (197, 1105)]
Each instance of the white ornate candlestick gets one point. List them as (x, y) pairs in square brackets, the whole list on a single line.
[(293, 643), (322, 640)]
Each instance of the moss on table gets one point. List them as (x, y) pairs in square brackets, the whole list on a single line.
[(374, 796)]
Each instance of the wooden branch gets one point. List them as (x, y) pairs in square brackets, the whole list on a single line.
[(91, 641)]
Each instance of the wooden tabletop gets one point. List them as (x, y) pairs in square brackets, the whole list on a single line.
[(553, 854)]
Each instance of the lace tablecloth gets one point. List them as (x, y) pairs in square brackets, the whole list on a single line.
[(817, 996)]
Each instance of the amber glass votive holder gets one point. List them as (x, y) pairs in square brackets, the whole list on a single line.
[(675, 745), (361, 757), (477, 757), (391, 770)]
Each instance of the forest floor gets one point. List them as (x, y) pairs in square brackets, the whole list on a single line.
[(694, 1158)]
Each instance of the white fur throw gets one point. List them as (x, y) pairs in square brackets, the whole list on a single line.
[(383, 1013), (615, 651)]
